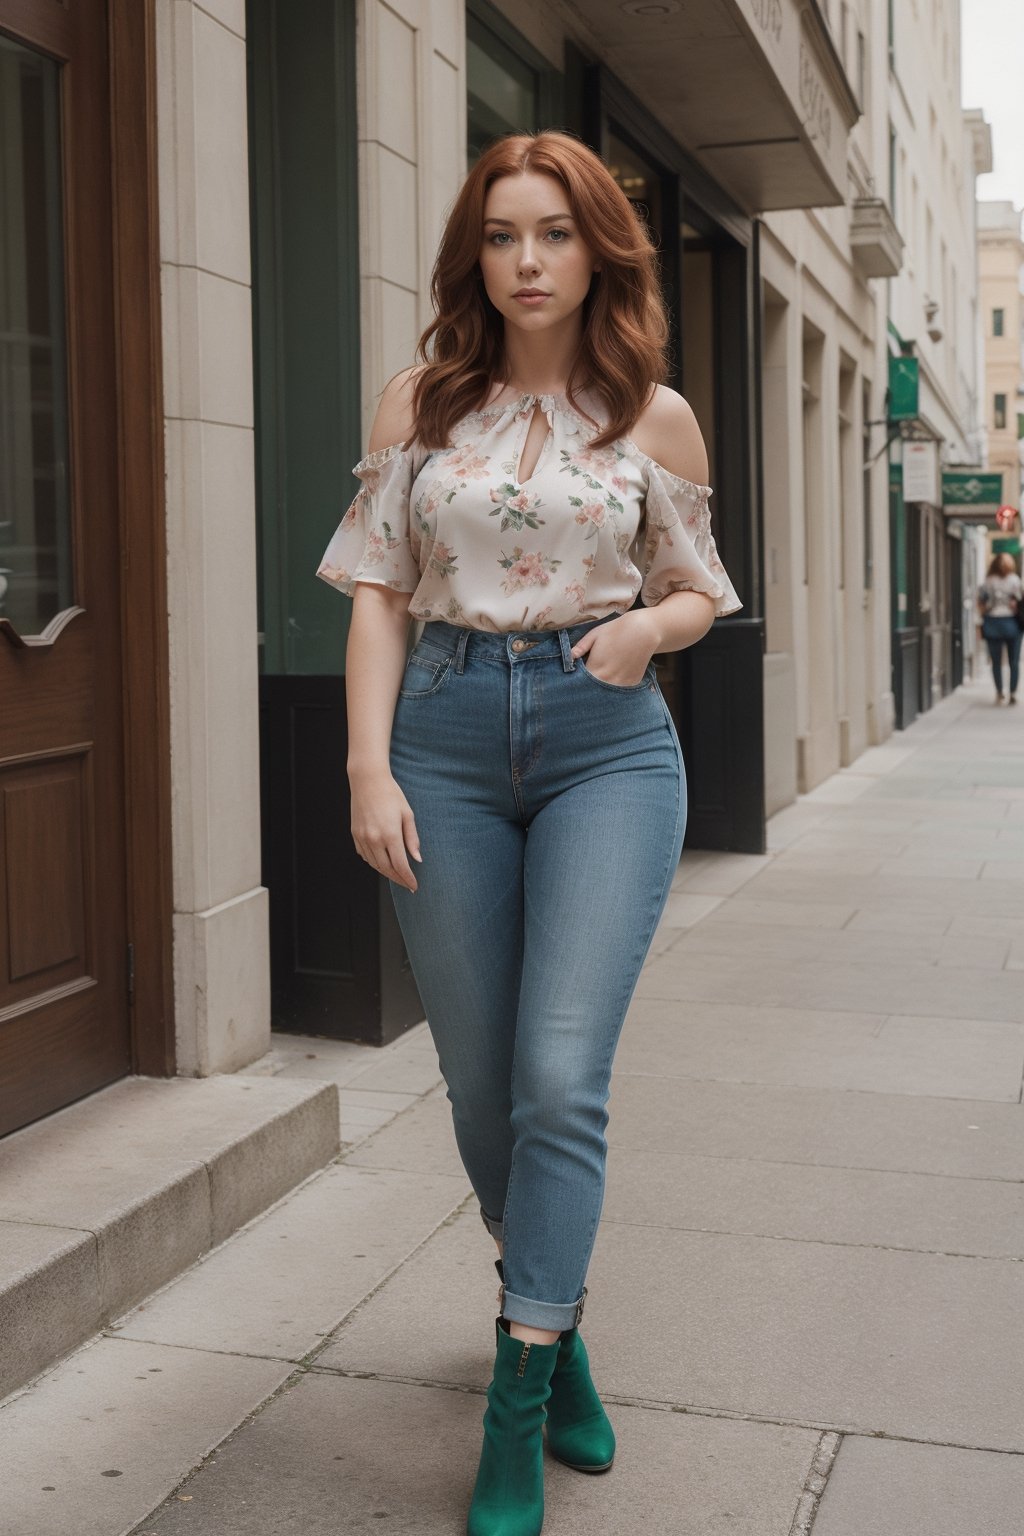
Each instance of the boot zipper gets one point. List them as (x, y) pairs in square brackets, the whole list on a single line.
[(523, 1359)]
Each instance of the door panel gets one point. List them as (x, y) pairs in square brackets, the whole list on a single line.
[(64, 1027)]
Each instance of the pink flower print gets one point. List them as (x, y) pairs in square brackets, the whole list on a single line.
[(334, 573), (592, 512), (576, 592), (442, 559), (541, 617), (375, 550), (620, 483), (518, 508), (472, 467), (595, 460), (370, 479), (527, 570), (348, 521)]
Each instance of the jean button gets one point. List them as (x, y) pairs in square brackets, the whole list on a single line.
[(519, 645)]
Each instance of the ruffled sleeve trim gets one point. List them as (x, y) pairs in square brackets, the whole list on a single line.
[(679, 552), (374, 542)]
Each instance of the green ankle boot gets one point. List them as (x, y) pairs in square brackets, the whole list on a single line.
[(508, 1497), (579, 1432)]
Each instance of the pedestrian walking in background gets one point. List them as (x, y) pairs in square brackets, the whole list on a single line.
[(525, 481), (1001, 604)]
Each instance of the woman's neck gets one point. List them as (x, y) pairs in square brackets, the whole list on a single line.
[(541, 364)]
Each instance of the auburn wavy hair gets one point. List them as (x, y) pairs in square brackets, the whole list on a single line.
[(625, 329)]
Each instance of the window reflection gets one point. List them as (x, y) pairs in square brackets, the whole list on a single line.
[(35, 545)]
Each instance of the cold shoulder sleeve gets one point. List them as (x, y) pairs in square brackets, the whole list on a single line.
[(373, 541), (679, 553)]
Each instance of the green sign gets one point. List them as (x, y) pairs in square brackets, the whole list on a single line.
[(904, 388), (965, 488), (1009, 546)]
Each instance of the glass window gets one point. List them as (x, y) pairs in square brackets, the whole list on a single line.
[(998, 321), (1000, 413), (640, 181), (503, 91), (35, 525)]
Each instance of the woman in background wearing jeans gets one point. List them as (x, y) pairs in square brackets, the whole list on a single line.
[(999, 598), (523, 485)]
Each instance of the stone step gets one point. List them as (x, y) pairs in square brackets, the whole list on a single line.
[(105, 1201)]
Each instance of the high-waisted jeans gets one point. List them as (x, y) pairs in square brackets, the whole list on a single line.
[(551, 808)]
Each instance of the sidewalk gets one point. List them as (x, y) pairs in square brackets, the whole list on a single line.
[(806, 1300)]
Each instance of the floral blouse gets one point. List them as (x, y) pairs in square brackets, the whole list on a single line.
[(576, 540)]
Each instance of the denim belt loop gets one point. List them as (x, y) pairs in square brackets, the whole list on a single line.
[(568, 659), (460, 650)]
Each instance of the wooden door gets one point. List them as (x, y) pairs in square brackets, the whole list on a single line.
[(64, 968)]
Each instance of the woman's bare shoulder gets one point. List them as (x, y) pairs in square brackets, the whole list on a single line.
[(395, 417), (668, 432)]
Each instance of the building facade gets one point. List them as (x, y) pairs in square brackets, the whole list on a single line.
[(221, 224), (935, 153), (1000, 280)]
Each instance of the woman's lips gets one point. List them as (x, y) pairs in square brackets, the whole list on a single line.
[(530, 298)]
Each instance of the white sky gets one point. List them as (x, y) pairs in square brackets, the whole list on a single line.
[(993, 79)]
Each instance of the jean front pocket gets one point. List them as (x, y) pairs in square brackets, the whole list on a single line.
[(425, 672), (645, 682)]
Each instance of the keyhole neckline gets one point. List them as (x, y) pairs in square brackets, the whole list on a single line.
[(548, 410)]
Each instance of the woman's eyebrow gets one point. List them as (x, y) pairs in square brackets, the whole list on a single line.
[(551, 218)]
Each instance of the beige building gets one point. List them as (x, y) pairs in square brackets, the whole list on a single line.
[(1001, 276), (236, 236)]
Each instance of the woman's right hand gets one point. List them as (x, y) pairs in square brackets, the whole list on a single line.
[(383, 826)]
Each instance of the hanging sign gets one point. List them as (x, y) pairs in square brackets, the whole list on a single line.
[(921, 472), (971, 490)]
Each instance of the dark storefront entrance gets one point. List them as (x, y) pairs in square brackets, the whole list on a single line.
[(708, 254)]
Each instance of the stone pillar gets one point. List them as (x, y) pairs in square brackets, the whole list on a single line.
[(221, 956)]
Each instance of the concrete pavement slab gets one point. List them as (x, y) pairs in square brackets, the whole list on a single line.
[(838, 790), (954, 897), (333, 1454), (865, 1339), (887, 917), (281, 1284), (742, 911), (1010, 926), (949, 1058), (685, 910), (960, 1138), (927, 1212), (723, 876), (884, 1487), (94, 1444), (421, 1139), (832, 862), (852, 945), (682, 974)]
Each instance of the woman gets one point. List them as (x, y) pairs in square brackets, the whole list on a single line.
[(524, 482), (999, 598)]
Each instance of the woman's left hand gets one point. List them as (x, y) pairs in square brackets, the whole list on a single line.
[(618, 652)]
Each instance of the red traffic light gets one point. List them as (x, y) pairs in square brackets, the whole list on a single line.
[(1006, 517)]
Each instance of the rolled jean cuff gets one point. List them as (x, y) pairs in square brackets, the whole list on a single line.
[(494, 1225), (553, 1315)]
